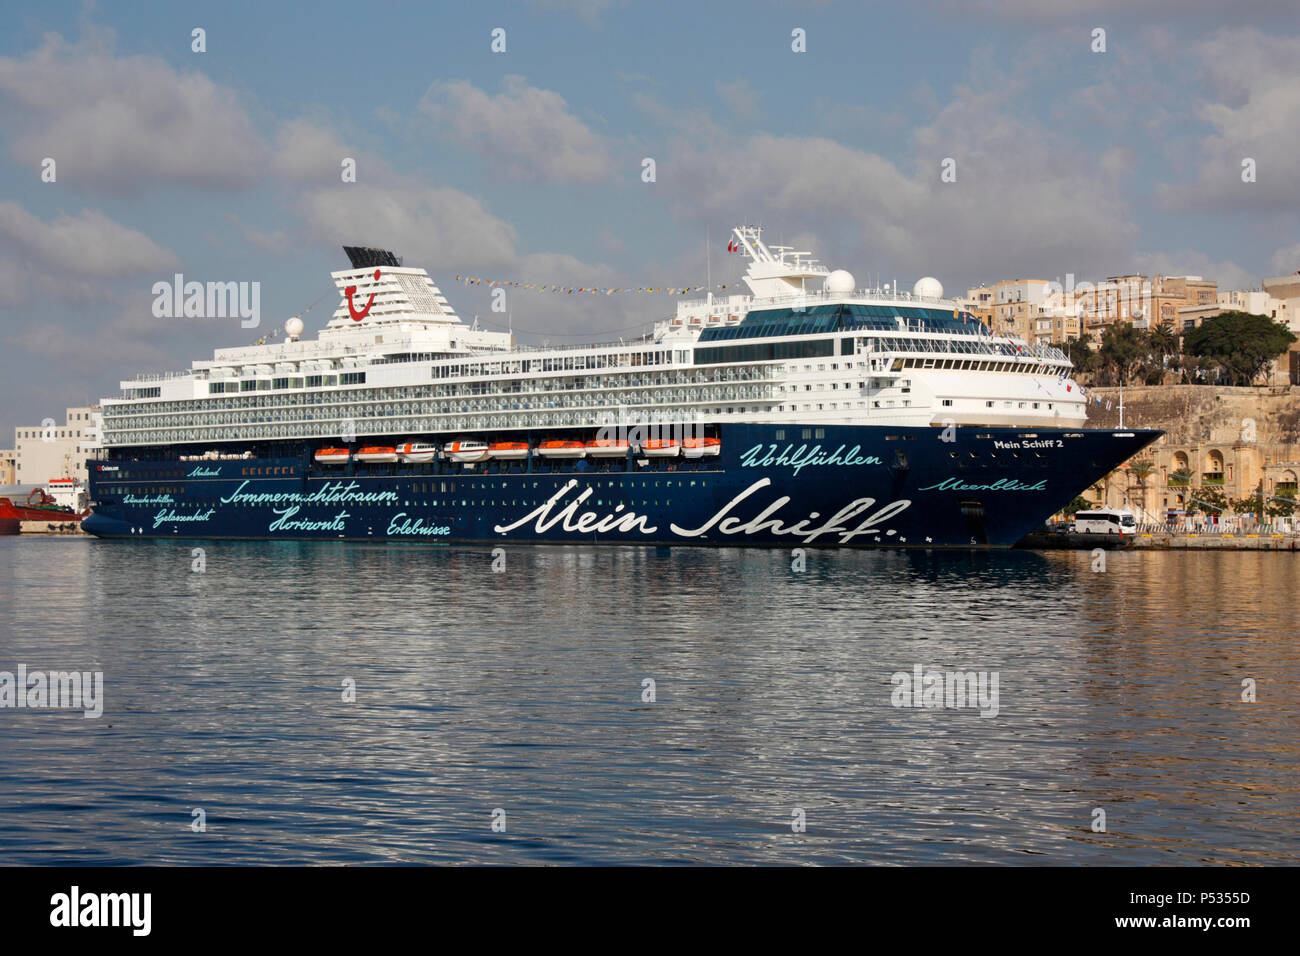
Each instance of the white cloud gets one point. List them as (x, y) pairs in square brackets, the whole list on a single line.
[(525, 132), (274, 242), (741, 98), (306, 151), (1226, 273), (29, 290), (588, 11), (448, 232), (442, 228), (1255, 115), (86, 245), (1034, 11), (1023, 199), (116, 337), (123, 123), (1285, 261)]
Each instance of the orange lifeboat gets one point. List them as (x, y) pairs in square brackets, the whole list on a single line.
[(333, 456), (465, 452), (661, 447), (377, 454), (560, 448), (701, 447), (417, 452), (607, 448), (508, 450)]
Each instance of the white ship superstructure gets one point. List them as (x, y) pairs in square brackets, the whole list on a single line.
[(804, 347)]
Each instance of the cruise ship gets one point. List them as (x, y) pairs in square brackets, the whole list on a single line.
[(808, 412)]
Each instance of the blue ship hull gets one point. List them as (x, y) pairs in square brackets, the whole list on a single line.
[(833, 486)]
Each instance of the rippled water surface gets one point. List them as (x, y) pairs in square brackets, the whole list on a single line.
[(523, 691)]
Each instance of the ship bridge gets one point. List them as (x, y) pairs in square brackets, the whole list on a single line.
[(775, 271)]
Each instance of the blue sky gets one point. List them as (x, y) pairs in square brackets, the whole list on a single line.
[(224, 165)]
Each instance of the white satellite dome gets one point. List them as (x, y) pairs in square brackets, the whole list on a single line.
[(928, 287), (839, 282), (293, 327)]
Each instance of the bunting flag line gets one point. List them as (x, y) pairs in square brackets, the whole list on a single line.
[(583, 290), (275, 332)]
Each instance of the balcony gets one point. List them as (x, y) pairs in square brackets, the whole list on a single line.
[(1212, 478)]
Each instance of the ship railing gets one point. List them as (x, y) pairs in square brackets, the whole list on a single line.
[(167, 376), (655, 393), (977, 347), (637, 344), (849, 297), (859, 296)]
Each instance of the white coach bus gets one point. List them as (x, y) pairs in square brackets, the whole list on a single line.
[(1116, 521)]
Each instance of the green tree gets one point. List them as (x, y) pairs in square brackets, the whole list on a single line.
[(1242, 343), (1163, 341), (1080, 354), (1123, 349), (1152, 372), (1208, 501), (1251, 504), (1080, 503), (1281, 507)]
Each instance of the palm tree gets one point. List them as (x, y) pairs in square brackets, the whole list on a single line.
[(1163, 341), (1141, 470)]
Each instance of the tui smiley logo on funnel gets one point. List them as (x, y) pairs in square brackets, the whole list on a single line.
[(358, 315)]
